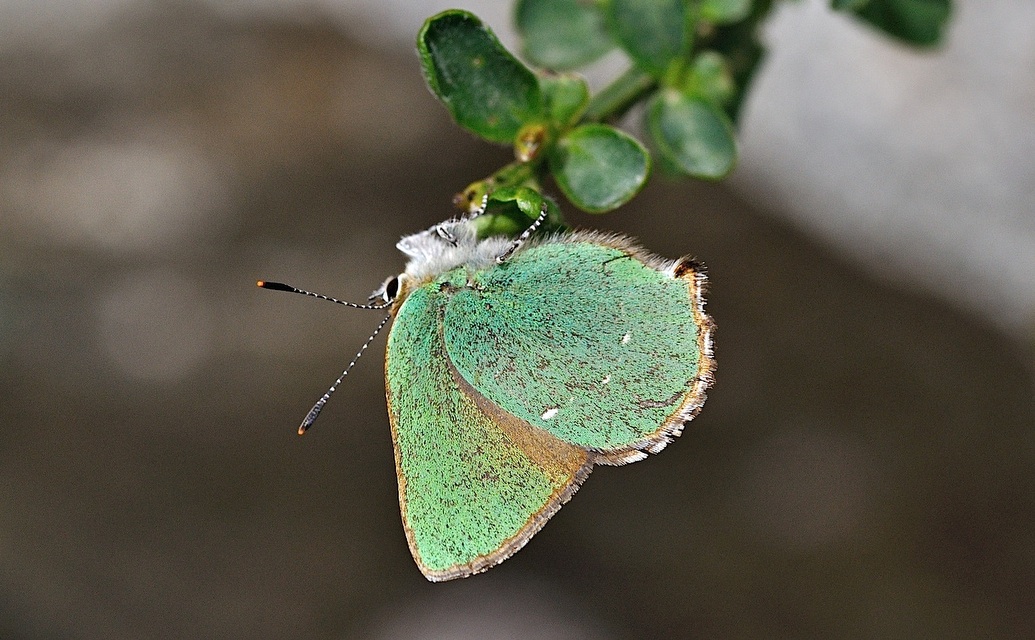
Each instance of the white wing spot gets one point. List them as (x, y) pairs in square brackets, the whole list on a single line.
[(549, 413)]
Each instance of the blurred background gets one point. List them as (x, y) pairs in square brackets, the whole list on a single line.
[(862, 469)]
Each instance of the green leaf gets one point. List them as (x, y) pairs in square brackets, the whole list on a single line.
[(562, 34), (566, 96), (725, 11), (501, 219), (528, 200), (847, 5), (742, 52), (511, 210), (711, 78), (487, 90), (652, 32), (693, 134), (917, 22), (598, 167)]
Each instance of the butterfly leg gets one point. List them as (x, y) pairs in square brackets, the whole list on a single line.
[(444, 230)]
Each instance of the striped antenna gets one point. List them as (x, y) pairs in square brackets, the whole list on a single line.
[(280, 286), (514, 246), (314, 413)]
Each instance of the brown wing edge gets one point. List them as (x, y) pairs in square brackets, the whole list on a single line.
[(693, 274), (546, 449)]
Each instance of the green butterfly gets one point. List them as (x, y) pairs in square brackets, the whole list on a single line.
[(515, 366)]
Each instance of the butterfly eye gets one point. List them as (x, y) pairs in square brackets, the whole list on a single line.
[(387, 292), (391, 289)]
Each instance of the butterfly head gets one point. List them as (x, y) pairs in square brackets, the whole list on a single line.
[(436, 250)]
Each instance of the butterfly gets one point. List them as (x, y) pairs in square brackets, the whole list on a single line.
[(513, 367)]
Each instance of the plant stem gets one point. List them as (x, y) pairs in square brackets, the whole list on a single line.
[(615, 99)]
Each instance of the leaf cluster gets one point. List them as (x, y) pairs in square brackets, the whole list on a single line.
[(691, 63)]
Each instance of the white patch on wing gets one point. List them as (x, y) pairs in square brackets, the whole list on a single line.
[(549, 413)]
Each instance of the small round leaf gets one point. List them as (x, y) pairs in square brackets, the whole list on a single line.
[(652, 32), (562, 34), (710, 77), (916, 22), (741, 52), (692, 134), (598, 167), (566, 96), (487, 90), (511, 210)]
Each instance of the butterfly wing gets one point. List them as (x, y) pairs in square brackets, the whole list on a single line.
[(475, 483), (589, 339)]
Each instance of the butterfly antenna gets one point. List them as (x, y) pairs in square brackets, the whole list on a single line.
[(514, 246), (314, 413), (310, 417), (482, 206), (280, 286)]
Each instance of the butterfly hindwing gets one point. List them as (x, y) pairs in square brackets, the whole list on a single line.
[(589, 339)]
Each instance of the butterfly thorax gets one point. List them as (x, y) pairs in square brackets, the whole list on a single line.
[(442, 248)]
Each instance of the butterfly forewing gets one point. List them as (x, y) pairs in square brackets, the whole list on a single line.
[(474, 484)]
